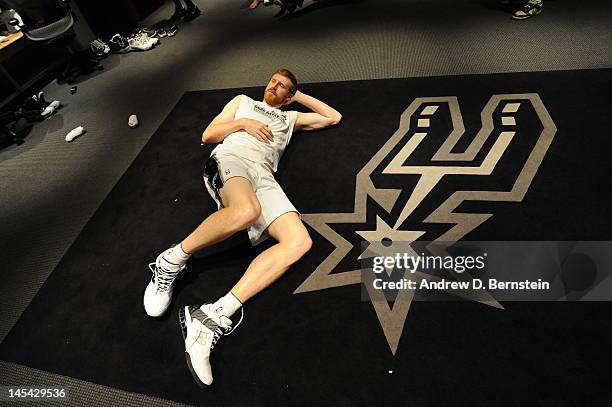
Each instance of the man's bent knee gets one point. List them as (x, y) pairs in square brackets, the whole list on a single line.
[(298, 246), (305, 244), (245, 214)]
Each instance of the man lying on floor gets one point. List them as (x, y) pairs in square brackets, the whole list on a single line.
[(240, 177)]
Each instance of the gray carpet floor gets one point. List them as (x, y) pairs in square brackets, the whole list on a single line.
[(50, 188)]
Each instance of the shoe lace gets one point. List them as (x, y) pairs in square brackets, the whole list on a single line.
[(219, 331), (239, 322), (164, 276), (142, 38)]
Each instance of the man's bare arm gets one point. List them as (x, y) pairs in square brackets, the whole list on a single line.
[(224, 124), (322, 115)]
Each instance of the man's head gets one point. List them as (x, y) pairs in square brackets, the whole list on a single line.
[(281, 88)]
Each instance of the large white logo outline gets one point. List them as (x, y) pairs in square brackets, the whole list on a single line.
[(392, 319)]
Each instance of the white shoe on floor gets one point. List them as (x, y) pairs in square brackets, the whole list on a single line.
[(158, 293), (141, 42), (202, 329)]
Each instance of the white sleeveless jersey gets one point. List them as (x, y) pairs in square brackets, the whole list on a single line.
[(246, 146)]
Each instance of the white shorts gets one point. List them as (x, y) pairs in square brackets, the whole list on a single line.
[(222, 166)]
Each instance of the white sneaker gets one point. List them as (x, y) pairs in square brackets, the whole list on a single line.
[(141, 42), (202, 329), (158, 294)]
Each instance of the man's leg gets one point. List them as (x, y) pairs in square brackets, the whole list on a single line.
[(293, 242), (204, 325), (241, 209)]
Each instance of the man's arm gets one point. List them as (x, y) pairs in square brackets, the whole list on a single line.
[(225, 124), (322, 115)]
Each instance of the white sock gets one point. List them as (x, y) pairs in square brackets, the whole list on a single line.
[(74, 133), (226, 305), (177, 255)]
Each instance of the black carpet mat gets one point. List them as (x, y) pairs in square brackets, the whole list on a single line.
[(327, 347)]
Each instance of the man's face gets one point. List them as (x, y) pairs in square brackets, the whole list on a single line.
[(278, 91)]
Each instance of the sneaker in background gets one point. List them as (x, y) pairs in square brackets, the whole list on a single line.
[(162, 32), (148, 33), (140, 42), (531, 9), (151, 32), (172, 30), (99, 48), (119, 44)]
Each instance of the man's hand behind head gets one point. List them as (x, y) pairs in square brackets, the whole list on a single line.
[(295, 98)]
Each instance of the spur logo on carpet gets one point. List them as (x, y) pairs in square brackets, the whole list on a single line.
[(420, 177)]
